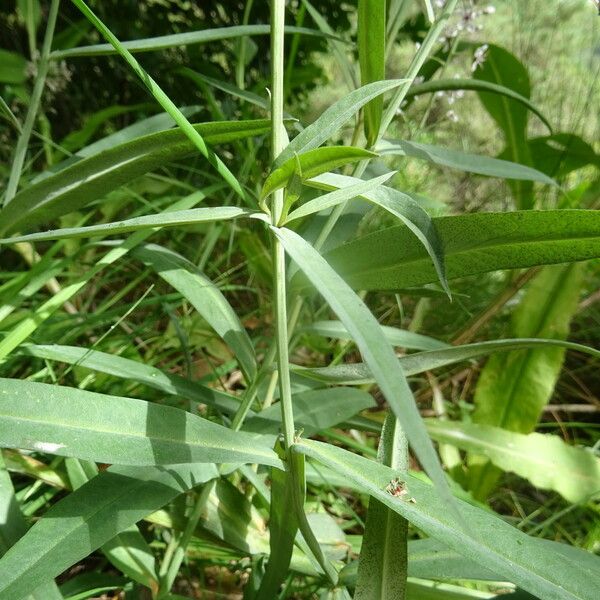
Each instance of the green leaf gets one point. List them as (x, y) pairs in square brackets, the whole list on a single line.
[(92, 178), (132, 370), (392, 259), (314, 410), (420, 362), (537, 568), (91, 516), (109, 429), (312, 163), (561, 153), (405, 208), (371, 58), (178, 218), (374, 348), (545, 460), (12, 68), (513, 388), (182, 39), (332, 119), (205, 297), (395, 336), (338, 196), (444, 85), (456, 159), (502, 68)]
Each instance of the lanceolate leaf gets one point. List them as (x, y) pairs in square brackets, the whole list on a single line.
[(545, 460), (205, 297), (312, 163), (109, 429), (540, 569), (456, 159), (182, 39), (92, 178), (374, 348), (179, 218), (392, 259), (332, 119), (413, 364), (404, 208), (91, 516), (371, 57)]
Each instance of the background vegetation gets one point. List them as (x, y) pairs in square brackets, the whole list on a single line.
[(484, 413)]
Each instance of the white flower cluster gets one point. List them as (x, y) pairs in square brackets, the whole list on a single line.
[(467, 21)]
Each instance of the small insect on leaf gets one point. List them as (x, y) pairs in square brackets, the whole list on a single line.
[(398, 489)]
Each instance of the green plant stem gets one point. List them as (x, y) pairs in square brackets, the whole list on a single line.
[(34, 104)]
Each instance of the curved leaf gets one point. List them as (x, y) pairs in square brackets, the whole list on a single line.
[(109, 429), (539, 569), (478, 85), (392, 259), (92, 178)]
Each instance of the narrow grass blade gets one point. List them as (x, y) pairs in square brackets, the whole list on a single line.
[(332, 119), (540, 569), (91, 516), (374, 348), (545, 460), (164, 100), (184, 39), (205, 297), (371, 58), (133, 370), (109, 429), (312, 163), (180, 218), (456, 159), (477, 243)]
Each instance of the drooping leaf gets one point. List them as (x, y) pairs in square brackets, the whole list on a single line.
[(89, 517), (404, 208), (312, 163), (456, 159), (92, 178), (545, 460), (205, 297), (374, 348), (109, 429), (561, 153), (332, 119), (180, 218), (392, 259), (516, 557), (371, 58)]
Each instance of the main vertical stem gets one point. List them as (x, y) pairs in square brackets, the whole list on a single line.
[(278, 142)]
